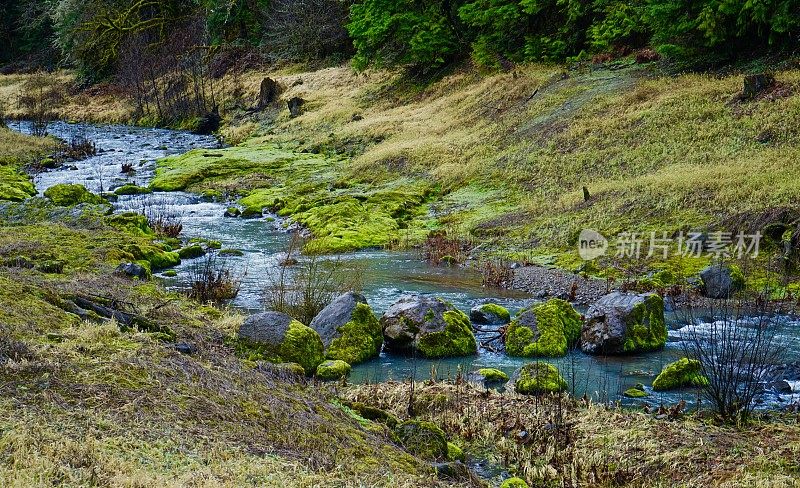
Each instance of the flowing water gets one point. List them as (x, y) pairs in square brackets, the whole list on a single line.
[(387, 274)]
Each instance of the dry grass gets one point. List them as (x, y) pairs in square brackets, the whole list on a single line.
[(559, 441)]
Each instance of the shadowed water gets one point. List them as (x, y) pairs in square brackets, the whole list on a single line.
[(386, 275)]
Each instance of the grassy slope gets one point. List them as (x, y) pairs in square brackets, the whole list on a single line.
[(17, 151)]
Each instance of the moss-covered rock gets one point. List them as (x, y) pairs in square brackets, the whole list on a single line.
[(67, 195), (349, 329), (191, 252), (132, 222), (170, 273), (536, 378), (637, 391), (514, 483), (721, 280), (545, 330), (231, 252), (423, 439), (131, 189), (431, 327), (624, 323), (454, 453), (276, 337), (332, 369), (490, 313), (682, 373), (493, 375), (373, 413)]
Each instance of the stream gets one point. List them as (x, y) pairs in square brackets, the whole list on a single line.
[(387, 274)]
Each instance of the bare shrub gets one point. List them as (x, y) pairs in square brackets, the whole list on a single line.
[(212, 281), (735, 349), (443, 247), (40, 100), (307, 30), (497, 273), (304, 290), (163, 219)]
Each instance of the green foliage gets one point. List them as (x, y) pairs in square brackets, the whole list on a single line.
[(681, 373), (387, 32), (498, 310), (454, 453), (360, 339), (557, 325), (537, 378), (514, 483), (456, 339)]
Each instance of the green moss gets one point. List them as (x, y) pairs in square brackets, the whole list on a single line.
[(737, 277), (157, 258), (292, 368), (423, 439), (558, 326), (301, 345), (15, 185), (493, 375), (191, 252), (67, 195), (131, 222), (373, 413), (454, 453), (636, 392), (514, 483), (456, 339), (646, 328), (332, 369), (360, 339), (231, 252), (170, 273), (497, 310), (131, 189), (536, 378), (682, 373)]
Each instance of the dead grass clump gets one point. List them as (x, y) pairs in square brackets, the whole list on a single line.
[(443, 248), (212, 281)]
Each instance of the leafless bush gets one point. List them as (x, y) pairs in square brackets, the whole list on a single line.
[(163, 220), (443, 247), (40, 100), (497, 273), (212, 281), (735, 349), (303, 291), (307, 30)]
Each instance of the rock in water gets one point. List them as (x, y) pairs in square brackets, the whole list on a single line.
[(623, 323), (349, 329), (431, 327), (545, 330), (488, 378), (537, 378), (681, 373), (721, 280), (281, 339), (490, 314)]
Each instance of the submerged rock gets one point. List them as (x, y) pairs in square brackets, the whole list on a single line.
[(683, 372), (333, 369), (349, 329), (545, 330), (280, 339), (431, 327), (490, 314), (721, 280), (536, 378), (423, 439), (623, 323)]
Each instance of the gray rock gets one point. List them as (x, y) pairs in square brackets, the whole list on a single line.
[(335, 315), (132, 270), (487, 314), (612, 320), (267, 327), (720, 281), (295, 105)]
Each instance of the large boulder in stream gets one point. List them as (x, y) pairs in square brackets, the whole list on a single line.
[(624, 323), (430, 327), (538, 378), (721, 280), (349, 330), (279, 338), (544, 330)]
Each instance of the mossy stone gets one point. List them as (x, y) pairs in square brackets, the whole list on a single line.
[(490, 313), (231, 252), (170, 273), (191, 252), (456, 339), (423, 439), (67, 195), (359, 339), (373, 413), (682, 373), (332, 369), (492, 375), (132, 190), (537, 378), (545, 330), (636, 392), (276, 337), (514, 483), (454, 453)]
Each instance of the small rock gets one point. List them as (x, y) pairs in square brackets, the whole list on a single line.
[(295, 106), (132, 270), (184, 348)]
